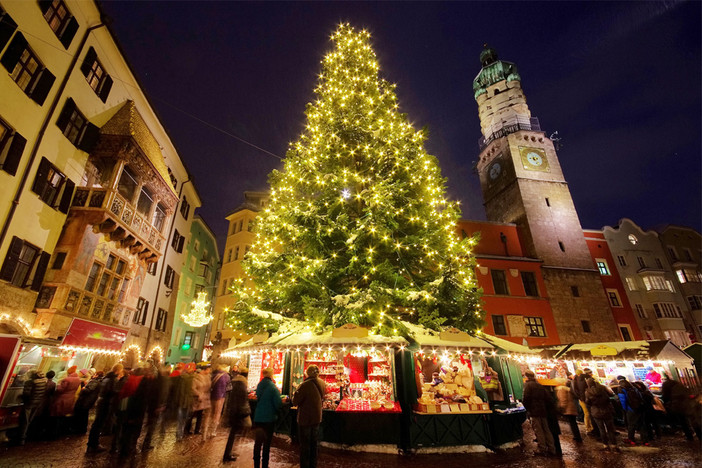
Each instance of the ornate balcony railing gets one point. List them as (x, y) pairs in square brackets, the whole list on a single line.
[(533, 124)]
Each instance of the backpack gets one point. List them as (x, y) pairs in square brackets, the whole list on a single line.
[(634, 398)]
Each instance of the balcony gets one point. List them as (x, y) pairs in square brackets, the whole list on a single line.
[(120, 221), (533, 125)]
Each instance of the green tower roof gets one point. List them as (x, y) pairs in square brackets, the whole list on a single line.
[(493, 70)]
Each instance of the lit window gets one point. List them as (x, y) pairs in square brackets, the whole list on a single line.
[(48, 182), (76, 127), (60, 20), (19, 262), (26, 70), (633, 239), (631, 284), (535, 326), (127, 184), (95, 75), (602, 266)]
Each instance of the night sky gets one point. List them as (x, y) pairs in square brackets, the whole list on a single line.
[(620, 82)]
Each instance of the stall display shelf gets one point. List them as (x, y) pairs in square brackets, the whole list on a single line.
[(454, 408)]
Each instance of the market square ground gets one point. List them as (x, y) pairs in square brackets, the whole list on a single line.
[(671, 451)]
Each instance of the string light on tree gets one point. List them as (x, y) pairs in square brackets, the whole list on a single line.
[(358, 228), (199, 312)]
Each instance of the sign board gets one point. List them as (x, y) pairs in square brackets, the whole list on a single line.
[(255, 361), (602, 350), (516, 326), (94, 335)]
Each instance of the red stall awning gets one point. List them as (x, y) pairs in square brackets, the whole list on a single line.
[(94, 336)]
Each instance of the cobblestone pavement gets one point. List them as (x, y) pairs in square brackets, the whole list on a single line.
[(671, 451)]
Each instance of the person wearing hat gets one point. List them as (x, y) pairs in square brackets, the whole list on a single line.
[(269, 402), (32, 397), (308, 398), (536, 402), (239, 411)]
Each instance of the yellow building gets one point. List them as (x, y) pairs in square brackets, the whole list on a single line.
[(240, 238)]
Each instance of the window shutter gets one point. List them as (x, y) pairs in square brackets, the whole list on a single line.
[(13, 253), (44, 5), (7, 28), (40, 179), (88, 61), (14, 154), (41, 270), (43, 86), (89, 138), (65, 116), (67, 196), (13, 52), (69, 32), (105, 88)]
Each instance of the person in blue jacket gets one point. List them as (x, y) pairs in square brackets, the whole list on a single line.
[(267, 406)]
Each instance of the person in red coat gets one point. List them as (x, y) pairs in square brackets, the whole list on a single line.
[(65, 399)]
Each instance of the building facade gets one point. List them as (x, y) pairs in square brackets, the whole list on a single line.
[(683, 248), (658, 304), (515, 298), (90, 181), (522, 183), (198, 275), (240, 238)]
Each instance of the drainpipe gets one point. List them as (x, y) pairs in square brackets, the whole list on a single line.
[(163, 264), (40, 136)]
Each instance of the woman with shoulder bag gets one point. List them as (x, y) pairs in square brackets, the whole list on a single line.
[(239, 411)]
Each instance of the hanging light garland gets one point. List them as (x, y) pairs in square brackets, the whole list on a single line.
[(199, 313)]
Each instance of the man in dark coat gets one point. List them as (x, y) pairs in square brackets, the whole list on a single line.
[(239, 411), (678, 404), (33, 399), (85, 402), (109, 389), (536, 399), (308, 399)]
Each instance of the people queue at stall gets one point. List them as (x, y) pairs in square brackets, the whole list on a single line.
[(146, 399), (630, 403)]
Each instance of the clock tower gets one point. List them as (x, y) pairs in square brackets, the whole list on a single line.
[(522, 182)]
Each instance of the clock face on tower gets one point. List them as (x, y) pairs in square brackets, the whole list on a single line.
[(533, 159), (494, 170)]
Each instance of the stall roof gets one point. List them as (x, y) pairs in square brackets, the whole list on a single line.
[(426, 337), (507, 345), (642, 350)]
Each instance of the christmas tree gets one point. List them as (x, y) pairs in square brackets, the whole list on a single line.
[(358, 229)]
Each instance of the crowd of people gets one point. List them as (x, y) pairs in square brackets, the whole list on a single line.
[(630, 404), (129, 402)]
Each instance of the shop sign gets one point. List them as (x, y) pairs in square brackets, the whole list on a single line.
[(350, 330), (602, 350), (517, 326), (255, 368), (88, 334)]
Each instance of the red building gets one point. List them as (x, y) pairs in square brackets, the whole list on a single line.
[(613, 286), (514, 292)]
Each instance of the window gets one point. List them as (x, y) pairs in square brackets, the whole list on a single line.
[(671, 288), (178, 242), (26, 70), (625, 331), (642, 262), (688, 255), (202, 270), (688, 275), (199, 288), (193, 262), (548, 202), (189, 338), (102, 285), (185, 208), (174, 181), (170, 275), (92, 277), (666, 310), (673, 254), (58, 260), (95, 74), (659, 264), (151, 269), (622, 260), (249, 226), (640, 311), (632, 238), (189, 286), (631, 283), (561, 246), (48, 184), (695, 302), (127, 184), (142, 310), (229, 255), (19, 263), (535, 326), (11, 148), (241, 225), (613, 297), (60, 20), (123, 290), (161, 320), (586, 325), (602, 266), (498, 325), (159, 218), (529, 281), (236, 253), (76, 127), (246, 249), (655, 283), (575, 291), (145, 201), (499, 281)]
